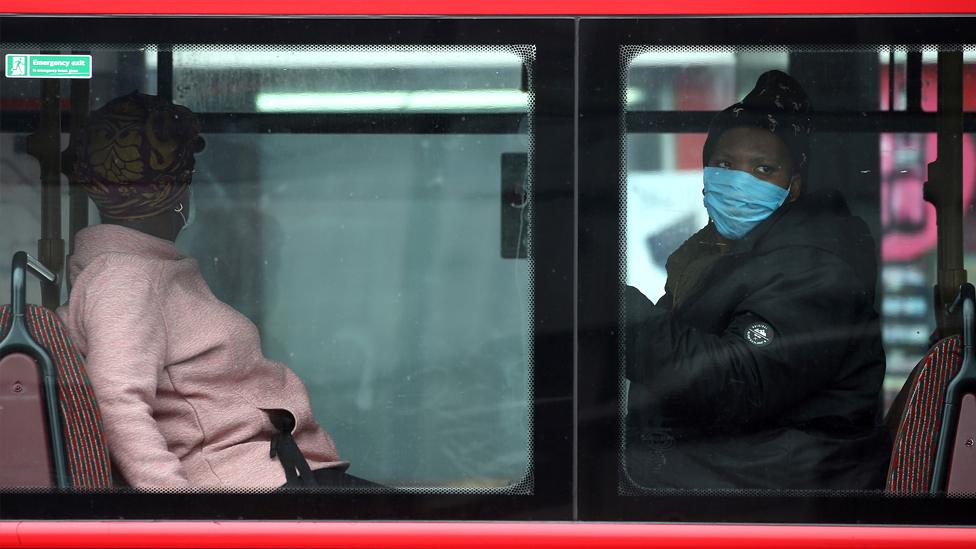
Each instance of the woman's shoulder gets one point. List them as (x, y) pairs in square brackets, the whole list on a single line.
[(121, 269), (114, 279), (108, 251)]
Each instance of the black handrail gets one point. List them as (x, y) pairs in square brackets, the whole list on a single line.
[(944, 191), (78, 198), (18, 339), (963, 383), (45, 145)]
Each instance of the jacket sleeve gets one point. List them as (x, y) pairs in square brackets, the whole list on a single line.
[(800, 307), (126, 333)]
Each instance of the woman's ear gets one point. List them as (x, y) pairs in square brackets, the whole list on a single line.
[(796, 184)]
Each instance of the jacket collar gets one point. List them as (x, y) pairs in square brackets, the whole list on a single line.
[(94, 241)]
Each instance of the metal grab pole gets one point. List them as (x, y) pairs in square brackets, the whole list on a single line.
[(45, 146), (78, 198), (944, 190)]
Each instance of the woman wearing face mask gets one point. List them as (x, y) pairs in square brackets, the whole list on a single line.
[(762, 365), (186, 396)]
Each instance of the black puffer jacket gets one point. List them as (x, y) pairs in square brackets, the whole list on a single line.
[(769, 373)]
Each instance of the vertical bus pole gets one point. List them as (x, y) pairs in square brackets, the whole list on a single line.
[(944, 190), (913, 82), (164, 72), (78, 198), (45, 145)]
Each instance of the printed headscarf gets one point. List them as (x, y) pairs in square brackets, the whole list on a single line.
[(134, 158), (778, 104)]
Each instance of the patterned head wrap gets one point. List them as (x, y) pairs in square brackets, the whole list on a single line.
[(777, 104), (134, 158)]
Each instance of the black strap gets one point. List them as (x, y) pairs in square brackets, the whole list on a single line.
[(284, 447)]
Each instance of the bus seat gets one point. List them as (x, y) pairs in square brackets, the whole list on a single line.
[(938, 401), (962, 468), (23, 417), (25, 452), (916, 416)]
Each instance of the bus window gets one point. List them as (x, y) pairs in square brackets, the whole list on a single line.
[(765, 334), (347, 204)]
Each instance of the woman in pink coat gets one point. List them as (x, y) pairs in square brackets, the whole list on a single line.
[(187, 398)]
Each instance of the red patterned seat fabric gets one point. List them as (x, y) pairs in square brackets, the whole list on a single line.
[(87, 455), (917, 437)]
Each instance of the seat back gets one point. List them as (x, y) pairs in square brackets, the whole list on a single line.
[(25, 454), (918, 411), (962, 467), (85, 449)]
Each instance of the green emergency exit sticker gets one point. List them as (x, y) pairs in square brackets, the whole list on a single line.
[(24, 65)]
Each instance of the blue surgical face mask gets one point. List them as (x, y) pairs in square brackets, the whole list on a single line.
[(737, 201)]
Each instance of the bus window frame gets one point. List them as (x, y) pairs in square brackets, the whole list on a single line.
[(603, 126), (599, 120), (489, 8), (552, 281)]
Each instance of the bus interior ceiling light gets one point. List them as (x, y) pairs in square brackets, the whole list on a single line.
[(394, 101), (422, 100), (204, 57)]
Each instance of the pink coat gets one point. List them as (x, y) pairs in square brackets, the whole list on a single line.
[(179, 375)]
